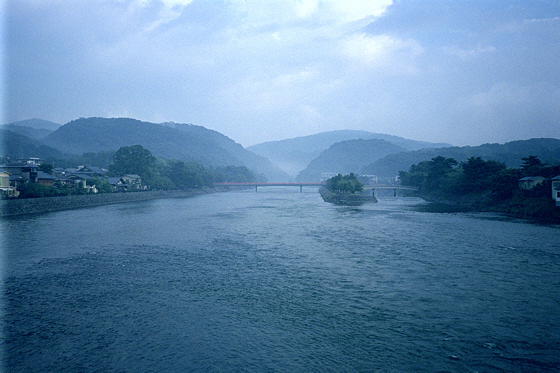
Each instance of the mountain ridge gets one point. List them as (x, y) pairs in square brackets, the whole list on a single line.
[(347, 156), (511, 153), (294, 155), (173, 141)]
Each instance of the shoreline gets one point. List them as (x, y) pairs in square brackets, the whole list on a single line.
[(28, 206), (474, 204)]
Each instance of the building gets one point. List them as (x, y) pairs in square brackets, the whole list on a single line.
[(117, 184), (133, 182), (6, 189), (528, 183), (45, 179), (555, 186)]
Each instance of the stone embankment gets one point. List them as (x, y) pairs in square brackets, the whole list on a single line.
[(15, 207)]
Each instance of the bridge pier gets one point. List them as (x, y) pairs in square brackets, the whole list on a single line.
[(301, 188)]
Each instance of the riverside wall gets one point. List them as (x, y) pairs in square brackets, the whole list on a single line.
[(25, 206)]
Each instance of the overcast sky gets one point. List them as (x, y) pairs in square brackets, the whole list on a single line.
[(462, 72)]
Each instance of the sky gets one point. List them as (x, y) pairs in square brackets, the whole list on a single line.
[(460, 72)]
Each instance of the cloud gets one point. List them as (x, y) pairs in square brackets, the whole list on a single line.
[(168, 10), (465, 54), (259, 13), (511, 111), (384, 52)]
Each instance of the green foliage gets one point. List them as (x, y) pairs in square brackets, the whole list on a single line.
[(133, 159), (347, 184), (234, 174), (430, 176), (480, 175), (158, 182), (36, 190), (101, 184), (485, 184), (46, 168), (188, 175)]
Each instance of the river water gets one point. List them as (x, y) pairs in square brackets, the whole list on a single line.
[(278, 281)]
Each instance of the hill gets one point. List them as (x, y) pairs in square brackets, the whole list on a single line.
[(347, 156), (37, 124), (511, 153), (167, 140), (16, 146), (32, 128), (294, 155)]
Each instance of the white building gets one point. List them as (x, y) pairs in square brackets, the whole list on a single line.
[(555, 182)]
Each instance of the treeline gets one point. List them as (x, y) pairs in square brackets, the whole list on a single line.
[(162, 174), (485, 185), (155, 174)]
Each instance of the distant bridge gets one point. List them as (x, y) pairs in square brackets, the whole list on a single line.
[(257, 185), (301, 185)]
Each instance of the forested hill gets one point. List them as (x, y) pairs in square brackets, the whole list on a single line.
[(346, 157), (32, 128), (294, 155), (168, 140), (16, 145), (511, 153)]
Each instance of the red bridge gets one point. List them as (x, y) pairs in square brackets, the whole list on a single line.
[(256, 185)]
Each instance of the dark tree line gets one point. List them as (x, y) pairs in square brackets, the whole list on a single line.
[(491, 183)]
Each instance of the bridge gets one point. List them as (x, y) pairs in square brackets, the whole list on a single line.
[(256, 185), (301, 185)]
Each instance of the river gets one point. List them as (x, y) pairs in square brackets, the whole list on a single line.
[(278, 281)]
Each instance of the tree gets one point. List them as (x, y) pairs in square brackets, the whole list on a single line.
[(479, 175), (46, 168), (532, 166), (347, 184), (133, 159), (431, 176), (101, 184), (187, 175)]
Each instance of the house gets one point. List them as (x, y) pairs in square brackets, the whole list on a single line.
[(4, 179), (555, 182), (45, 179), (528, 183), (79, 180), (118, 184), (26, 168), (16, 181), (6, 190), (133, 182), (90, 170)]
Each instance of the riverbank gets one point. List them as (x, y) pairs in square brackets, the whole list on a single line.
[(16, 207), (541, 210)]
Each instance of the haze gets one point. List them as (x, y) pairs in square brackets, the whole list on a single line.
[(464, 73)]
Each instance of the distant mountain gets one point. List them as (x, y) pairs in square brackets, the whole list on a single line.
[(37, 124), (168, 140), (30, 132), (347, 156), (16, 146), (293, 155), (511, 153), (32, 128)]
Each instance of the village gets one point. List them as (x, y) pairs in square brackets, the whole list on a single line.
[(83, 179)]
